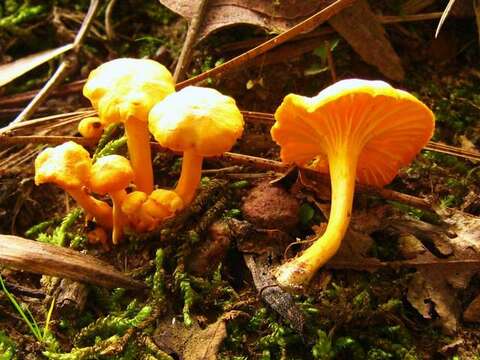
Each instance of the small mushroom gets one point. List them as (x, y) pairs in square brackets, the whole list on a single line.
[(111, 175), (146, 212), (91, 127), (124, 90), (69, 166), (200, 122), (355, 130)]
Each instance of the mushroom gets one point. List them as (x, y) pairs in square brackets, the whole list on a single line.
[(355, 130), (200, 122), (111, 175), (91, 127), (145, 212), (69, 166), (124, 90)]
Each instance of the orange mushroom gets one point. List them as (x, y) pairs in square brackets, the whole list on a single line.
[(69, 166), (111, 175), (124, 90), (200, 122), (91, 127), (355, 130), (146, 212)]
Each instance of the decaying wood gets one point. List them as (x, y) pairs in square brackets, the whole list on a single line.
[(42, 258), (71, 297)]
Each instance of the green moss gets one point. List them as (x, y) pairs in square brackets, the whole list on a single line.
[(61, 233), (7, 347), (26, 12)]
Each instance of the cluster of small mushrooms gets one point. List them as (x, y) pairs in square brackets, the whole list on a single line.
[(355, 130)]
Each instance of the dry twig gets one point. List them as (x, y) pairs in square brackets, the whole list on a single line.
[(306, 25), (61, 71), (192, 33)]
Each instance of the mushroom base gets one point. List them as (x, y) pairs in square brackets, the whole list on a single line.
[(294, 275)]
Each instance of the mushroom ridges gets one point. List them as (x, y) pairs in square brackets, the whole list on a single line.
[(354, 129)]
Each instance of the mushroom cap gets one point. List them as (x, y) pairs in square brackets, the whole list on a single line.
[(124, 88), (91, 127), (384, 126), (110, 173), (168, 199), (67, 165), (198, 119)]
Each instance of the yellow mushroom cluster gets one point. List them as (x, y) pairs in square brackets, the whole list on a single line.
[(140, 93), (355, 130)]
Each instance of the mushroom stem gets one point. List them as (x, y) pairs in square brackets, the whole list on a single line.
[(299, 271), (119, 219), (138, 142), (190, 176), (101, 211)]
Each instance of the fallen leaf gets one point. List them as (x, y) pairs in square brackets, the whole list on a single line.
[(472, 313), (15, 69), (440, 288), (446, 257), (193, 343), (367, 37), (204, 345), (273, 16), (429, 293)]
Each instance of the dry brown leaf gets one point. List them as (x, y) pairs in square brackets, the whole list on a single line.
[(436, 286), (273, 16), (429, 293), (437, 291), (15, 69), (472, 313), (204, 345), (359, 26), (193, 343)]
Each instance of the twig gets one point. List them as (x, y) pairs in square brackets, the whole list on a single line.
[(108, 20), (61, 71), (252, 116), (52, 140), (240, 159), (20, 98), (444, 16), (331, 64), (374, 263), (185, 55), (387, 19), (308, 24), (266, 118)]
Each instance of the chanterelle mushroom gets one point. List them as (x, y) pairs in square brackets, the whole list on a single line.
[(124, 90), (200, 122), (69, 166), (355, 130), (91, 127), (145, 212), (111, 175)]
